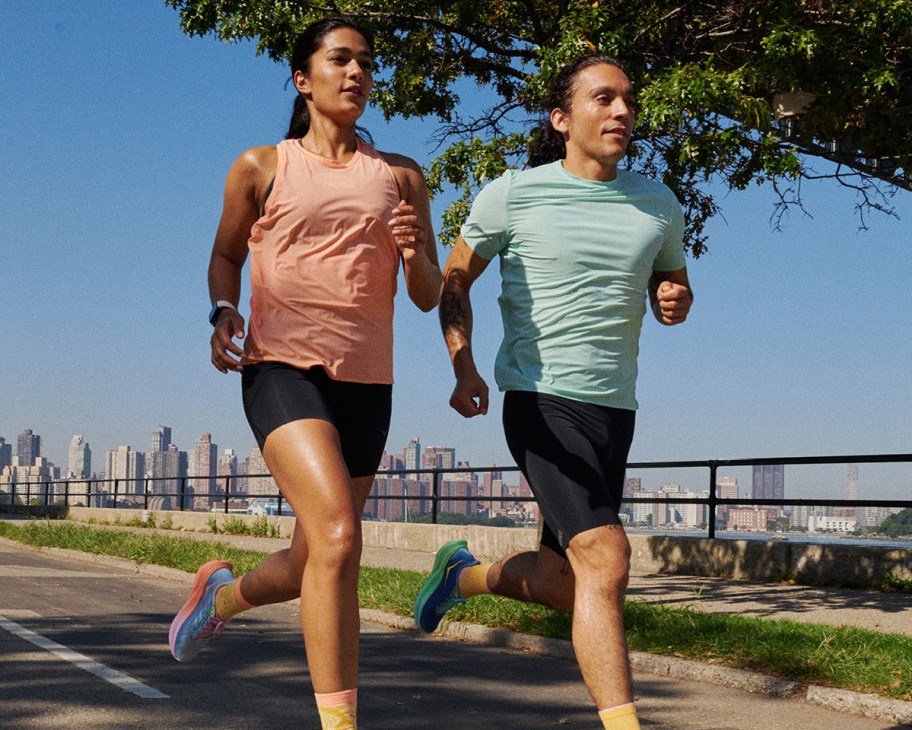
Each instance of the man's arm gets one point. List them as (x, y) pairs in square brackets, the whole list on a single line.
[(670, 296), (463, 267)]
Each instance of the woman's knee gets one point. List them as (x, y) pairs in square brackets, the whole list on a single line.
[(336, 547)]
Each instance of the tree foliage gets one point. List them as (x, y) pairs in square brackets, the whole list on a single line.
[(707, 74), (898, 525)]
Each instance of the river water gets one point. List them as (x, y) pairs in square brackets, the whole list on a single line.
[(812, 538)]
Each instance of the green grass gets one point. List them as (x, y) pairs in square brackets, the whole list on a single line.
[(850, 658)]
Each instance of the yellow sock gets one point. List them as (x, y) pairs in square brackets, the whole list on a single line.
[(622, 717), (229, 601), (338, 710), (473, 581)]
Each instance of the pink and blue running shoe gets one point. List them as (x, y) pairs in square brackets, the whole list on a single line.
[(197, 621), (441, 591)]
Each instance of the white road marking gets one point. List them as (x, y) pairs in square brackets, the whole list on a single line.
[(115, 677)]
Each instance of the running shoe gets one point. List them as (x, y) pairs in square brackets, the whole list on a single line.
[(197, 621), (441, 591)]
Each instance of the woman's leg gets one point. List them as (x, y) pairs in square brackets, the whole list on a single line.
[(305, 458), (278, 578)]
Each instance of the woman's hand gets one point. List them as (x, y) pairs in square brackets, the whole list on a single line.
[(407, 230), (226, 353)]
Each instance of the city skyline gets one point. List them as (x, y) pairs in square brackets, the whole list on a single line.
[(166, 478), (756, 482), (795, 345)]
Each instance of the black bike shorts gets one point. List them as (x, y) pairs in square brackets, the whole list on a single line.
[(574, 456), (275, 394)]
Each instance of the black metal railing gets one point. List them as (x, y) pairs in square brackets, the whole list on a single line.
[(153, 492)]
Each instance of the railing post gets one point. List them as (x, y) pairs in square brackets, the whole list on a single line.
[(227, 491), (279, 504), (711, 518), (183, 491), (114, 495), (435, 495), (146, 493), (47, 494), (66, 493)]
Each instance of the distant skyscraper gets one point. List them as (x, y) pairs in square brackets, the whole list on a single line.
[(262, 483), (6, 453), (727, 487), (80, 463), (228, 463), (631, 486), (412, 456), (127, 466), (204, 465), (168, 468), (851, 486), (161, 439), (769, 481), (438, 457), (28, 447), (228, 467)]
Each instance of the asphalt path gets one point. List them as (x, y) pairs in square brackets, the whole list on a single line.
[(84, 645)]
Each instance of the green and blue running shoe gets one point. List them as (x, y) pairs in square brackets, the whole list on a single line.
[(441, 591), (197, 621)]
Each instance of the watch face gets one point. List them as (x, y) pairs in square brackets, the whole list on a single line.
[(213, 314)]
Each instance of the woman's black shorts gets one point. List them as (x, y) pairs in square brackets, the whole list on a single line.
[(276, 394), (574, 456)]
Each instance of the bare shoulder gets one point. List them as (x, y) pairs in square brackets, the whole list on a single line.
[(407, 173), (258, 160), (252, 173), (395, 160)]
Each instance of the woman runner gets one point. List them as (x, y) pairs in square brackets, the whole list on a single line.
[(326, 219)]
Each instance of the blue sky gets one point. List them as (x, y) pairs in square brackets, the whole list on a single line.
[(116, 132)]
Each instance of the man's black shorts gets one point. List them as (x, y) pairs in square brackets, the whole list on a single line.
[(276, 394), (574, 456)]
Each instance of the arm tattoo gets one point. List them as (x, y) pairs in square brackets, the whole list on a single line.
[(454, 310)]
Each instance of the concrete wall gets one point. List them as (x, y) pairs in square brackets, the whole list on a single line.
[(806, 563)]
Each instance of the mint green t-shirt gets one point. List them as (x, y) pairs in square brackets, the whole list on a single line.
[(575, 257)]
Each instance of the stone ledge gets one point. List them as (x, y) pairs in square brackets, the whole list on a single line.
[(806, 563)]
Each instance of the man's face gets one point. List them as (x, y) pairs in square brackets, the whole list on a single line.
[(601, 116)]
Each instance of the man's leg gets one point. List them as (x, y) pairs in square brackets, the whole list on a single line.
[(601, 562), (535, 576), (540, 576)]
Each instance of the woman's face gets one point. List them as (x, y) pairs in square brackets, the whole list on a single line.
[(340, 77)]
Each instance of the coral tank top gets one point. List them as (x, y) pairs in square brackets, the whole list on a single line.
[(323, 266)]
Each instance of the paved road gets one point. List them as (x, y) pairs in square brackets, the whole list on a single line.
[(109, 666)]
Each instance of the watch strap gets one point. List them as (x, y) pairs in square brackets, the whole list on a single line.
[(217, 310)]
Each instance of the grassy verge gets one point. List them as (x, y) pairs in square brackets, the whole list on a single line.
[(851, 658)]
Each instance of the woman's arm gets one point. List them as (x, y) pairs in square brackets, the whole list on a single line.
[(414, 234), (245, 191)]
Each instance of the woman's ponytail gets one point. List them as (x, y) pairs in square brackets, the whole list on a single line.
[(300, 119)]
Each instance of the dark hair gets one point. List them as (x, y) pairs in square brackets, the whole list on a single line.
[(307, 44), (547, 143)]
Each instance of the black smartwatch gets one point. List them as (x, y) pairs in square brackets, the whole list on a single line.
[(217, 310)]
